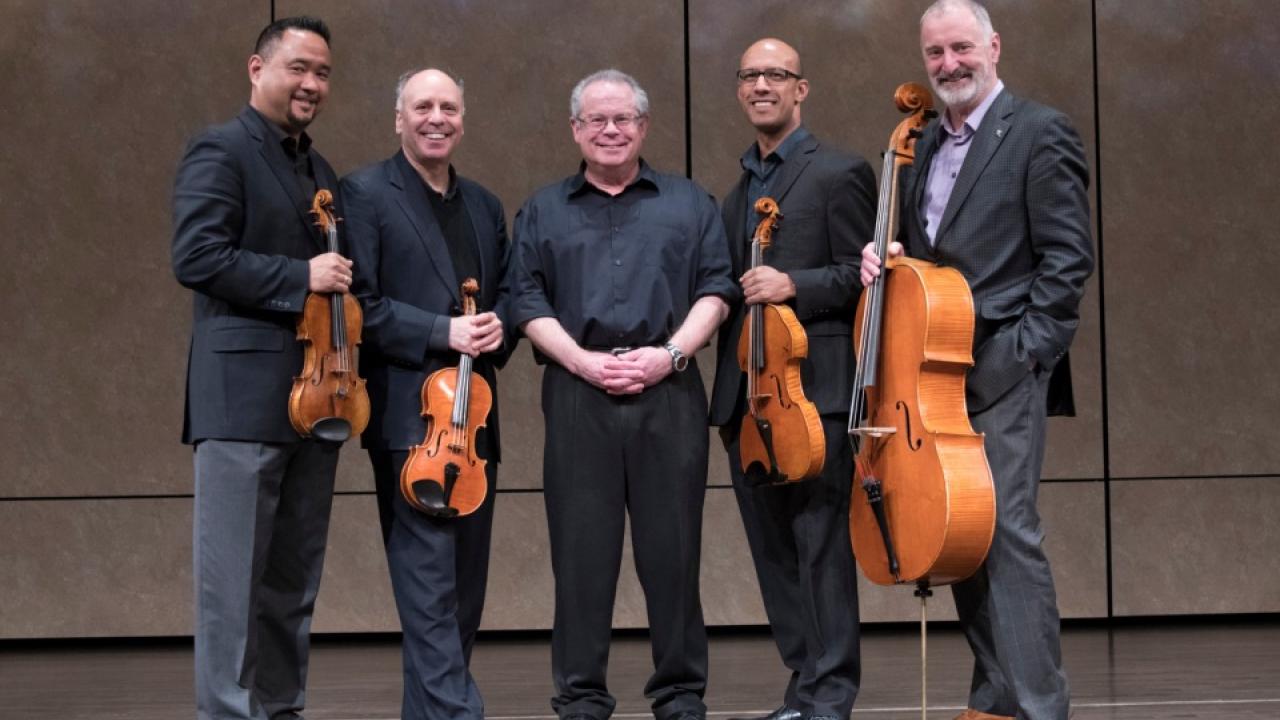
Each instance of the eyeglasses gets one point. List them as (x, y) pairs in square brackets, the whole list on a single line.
[(600, 122), (773, 76)]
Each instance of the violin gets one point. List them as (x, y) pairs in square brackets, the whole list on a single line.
[(444, 476), (781, 439), (329, 400), (926, 513)]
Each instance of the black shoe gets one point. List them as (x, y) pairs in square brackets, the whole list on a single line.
[(782, 713), (688, 715)]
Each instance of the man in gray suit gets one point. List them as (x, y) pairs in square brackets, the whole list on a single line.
[(799, 532), (244, 242), (999, 193)]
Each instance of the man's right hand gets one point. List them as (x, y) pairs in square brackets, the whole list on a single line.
[(871, 261), (330, 272), (475, 334)]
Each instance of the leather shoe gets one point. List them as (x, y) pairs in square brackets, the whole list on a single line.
[(971, 714), (782, 713)]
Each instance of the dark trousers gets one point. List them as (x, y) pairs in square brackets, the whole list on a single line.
[(799, 538), (1008, 609), (607, 457), (439, 570), (260, 520)]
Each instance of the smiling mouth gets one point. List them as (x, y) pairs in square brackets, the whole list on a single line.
[(435, 136)]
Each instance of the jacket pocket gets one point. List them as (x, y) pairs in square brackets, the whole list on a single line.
[(246, 339)]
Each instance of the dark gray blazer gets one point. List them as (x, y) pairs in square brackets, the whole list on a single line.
[(828, 203), (1017, 227), (242, 235), (408, 289)]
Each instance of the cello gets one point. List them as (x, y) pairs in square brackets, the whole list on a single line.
[(926, 513), (444, 476), (781, 438), (329, 400)]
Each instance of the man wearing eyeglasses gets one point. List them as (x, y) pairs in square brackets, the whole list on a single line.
[(799, 531), (621, 275)]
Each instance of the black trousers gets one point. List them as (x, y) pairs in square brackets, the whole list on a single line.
[(608, 457), (439, 569), (799, 538)]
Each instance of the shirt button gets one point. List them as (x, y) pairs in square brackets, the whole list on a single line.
[(617, 263)]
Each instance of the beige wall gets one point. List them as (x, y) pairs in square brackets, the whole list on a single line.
[(1158, 497)]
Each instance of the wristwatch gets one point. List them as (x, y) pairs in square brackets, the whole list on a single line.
[(679, 361)]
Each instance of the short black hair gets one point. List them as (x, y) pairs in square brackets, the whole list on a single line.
[(271, 33)]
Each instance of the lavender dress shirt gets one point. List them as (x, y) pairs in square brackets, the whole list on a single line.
[(947, 161)]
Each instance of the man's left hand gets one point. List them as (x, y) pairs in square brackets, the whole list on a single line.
[(764, 284), (654, 362)]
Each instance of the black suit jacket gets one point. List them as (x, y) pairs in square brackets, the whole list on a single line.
[(242, 237), (1017, 227), (827, 199), (408, 289)]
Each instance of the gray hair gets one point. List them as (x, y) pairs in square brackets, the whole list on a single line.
[(408, 75), (979, 13), (611, 76)]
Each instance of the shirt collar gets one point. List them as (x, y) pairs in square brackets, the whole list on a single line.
[(974, 120), (578, 184), (751, 158), (407, 169), (291, 148)]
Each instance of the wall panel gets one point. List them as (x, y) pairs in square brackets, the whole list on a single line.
[(1193, 383)]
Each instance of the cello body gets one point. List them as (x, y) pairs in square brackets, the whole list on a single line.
[(926, 510), (444, 476), (938, 493)]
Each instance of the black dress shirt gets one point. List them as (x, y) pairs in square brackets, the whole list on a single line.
[(299, 154), (762, 175), (451, 216), (619, 271)]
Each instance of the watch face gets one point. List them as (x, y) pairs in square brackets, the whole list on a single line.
[(681, 362)]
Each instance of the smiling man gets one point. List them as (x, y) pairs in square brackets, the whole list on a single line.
[(621, 275), (244, 245), (999, 193), (799, 532), (417, 230)]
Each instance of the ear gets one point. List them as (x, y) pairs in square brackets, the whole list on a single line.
[(995, 47), (399, 122), (255, 68), (802, 90)]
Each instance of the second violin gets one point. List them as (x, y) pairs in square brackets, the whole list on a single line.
[(444, 476)]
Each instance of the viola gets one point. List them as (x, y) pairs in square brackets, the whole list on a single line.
[(329, 400), (781, 439), (926, 513), (444, 476)]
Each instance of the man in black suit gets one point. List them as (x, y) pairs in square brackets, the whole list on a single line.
[(245, 243), (799, 532), (999, 193), (417, 230)]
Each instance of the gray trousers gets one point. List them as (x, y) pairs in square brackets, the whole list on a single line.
[(261, 518), (1008, 609)]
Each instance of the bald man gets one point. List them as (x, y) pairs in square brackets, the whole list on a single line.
[(799, 532), (417, 230)]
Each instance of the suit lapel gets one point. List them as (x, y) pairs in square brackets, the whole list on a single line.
[(791, 169), (926, 146), (480, 225), (273, 155), (412, 200), (986, 140)]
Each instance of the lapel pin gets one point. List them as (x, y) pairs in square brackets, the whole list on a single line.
[(999, 132)]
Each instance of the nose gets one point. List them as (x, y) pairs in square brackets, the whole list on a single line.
[(761, 85), (310, 81)]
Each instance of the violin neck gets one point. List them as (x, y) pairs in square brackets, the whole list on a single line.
[(462, 394)]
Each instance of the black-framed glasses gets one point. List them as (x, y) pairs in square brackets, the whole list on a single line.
[(600, 122), (773, 76)]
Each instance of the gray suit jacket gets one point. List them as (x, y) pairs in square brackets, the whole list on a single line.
[(1017, 227), (408, 289), (242, 235), (827, 199)]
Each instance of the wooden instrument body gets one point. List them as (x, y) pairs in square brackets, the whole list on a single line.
[(329, 392), (448, 444), (798, 441), (329, 400), (937, 486)]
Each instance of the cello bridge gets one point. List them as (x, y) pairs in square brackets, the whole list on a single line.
[(875, 432)]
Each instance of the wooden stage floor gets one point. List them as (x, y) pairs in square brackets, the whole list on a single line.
[(1170, 670)]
